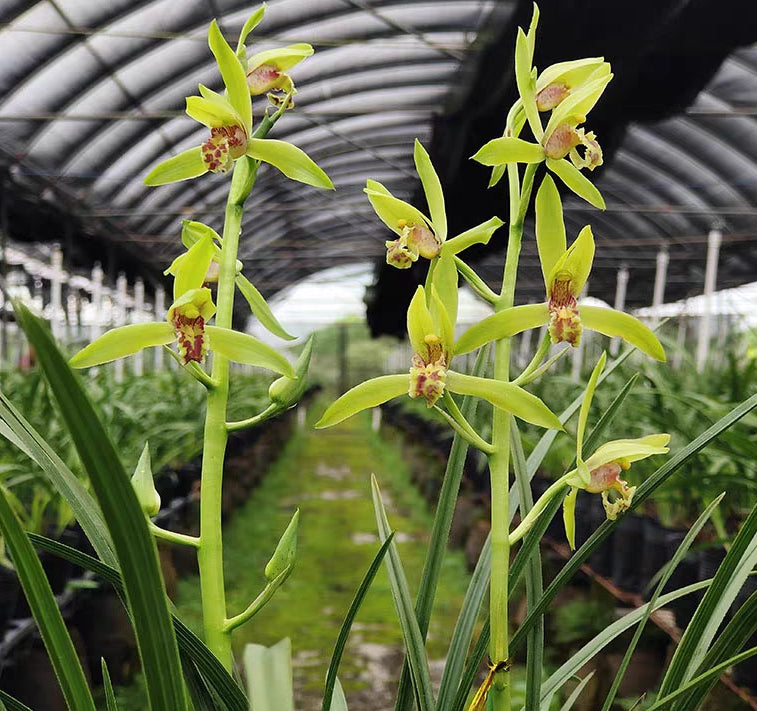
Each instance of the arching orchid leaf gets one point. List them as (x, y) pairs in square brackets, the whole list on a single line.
[(364, 396)]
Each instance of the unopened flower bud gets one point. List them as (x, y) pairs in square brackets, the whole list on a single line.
[(286, 392), (143, 485), (284, 556)]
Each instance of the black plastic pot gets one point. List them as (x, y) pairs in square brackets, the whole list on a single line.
[(654, 553), (745, 673), (625, 553), (10, 589), (600, 560)]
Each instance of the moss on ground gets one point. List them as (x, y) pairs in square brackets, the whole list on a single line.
[(327, 475)]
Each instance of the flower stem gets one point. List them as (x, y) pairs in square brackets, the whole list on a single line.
[(210, 552), (499, 461)]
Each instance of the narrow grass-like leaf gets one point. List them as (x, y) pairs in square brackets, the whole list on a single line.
[(437, 545), (344, 632), (738, 631), (731, 575), (199, 694), (411, 634), (44, 608), (110, 696), (12, 704), (82, 503), (338, 701), (269, 676), (217, 678), (568, 705), (534, 582), (134, 545), (667, 573)]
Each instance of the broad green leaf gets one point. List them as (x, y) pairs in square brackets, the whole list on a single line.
[(569, 516), (506, 396), (110, 696), (134, 545), (211, 113), (550, 227), (260, 308), (81, 502), (44, 608), (525, 82), (193, 649), (392, 210), (283, 58), (364, 396), (233, 75), (507, 149), (432, 188), (583, 415), (576, 181), (193, 267), (480, 234), (617, 323), (124, 341), (502, 324), (419, 321), (576, 261), (252, 22), (445, 284), (411, 634), (290, 160), (333, 696), (269, 676), (188, 164), (243, 348)]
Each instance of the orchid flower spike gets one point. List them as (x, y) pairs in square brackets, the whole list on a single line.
[(600, 473), (417, 234), (565, 270), (430, 324), (570, 90), (229, 119)]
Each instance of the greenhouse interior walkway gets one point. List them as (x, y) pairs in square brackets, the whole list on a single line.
[(326, 474)]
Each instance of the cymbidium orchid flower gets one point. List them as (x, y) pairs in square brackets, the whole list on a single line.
[(430, 325), (187, 325), (266, 71), (600, 473), (229, 119), (565, 271), (570, 90), (419, 235)]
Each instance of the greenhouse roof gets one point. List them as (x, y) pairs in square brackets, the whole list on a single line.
[(92, 95)]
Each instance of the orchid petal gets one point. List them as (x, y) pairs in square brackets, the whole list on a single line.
[(193, 231), (550, 227), (509, 150), (283, 58), (505, 396), (443, 326), (576, 181), (502, 324), (573, 73), (243, 348), (576, 261), (617, 323), (364, 396), (232, 74), (252, 22), (290, 160), (186, 165), (630, 450), (580, 102), (211, 113), (419, 321), (123, 341), (432, 188), (391, 210), (444, 281), (583, 416), (525, 81), (569, 516), (261, 309), (193, 268), (480, 234)]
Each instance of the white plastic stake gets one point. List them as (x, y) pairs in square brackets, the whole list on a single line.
[(56, 293), (621, 286), (710, 278), (97, 301), (137, 316), (120, 318), (376, 419), (160, 307), (660, 279)]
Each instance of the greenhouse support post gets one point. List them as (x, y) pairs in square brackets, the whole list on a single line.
[(621, 285), (710, 279), (160, 309), (56, 292), (660, 279), (137, 317), (120, 319), (680, 342), (96, 304)]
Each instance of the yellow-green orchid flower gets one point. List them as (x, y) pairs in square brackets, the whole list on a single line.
[(186, 324), (600, 473), (419, 235), (570, 90), (430, 326), (266, 71), (565, 271), (229, 119)]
